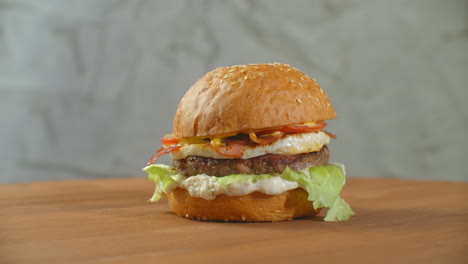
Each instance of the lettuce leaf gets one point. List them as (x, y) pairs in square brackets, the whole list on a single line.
[(165, 178), (322, 183), (339, 211)]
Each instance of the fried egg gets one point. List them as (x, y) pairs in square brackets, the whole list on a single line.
[(292, 144)]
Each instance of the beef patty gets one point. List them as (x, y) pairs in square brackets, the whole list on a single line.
[(269, 163)]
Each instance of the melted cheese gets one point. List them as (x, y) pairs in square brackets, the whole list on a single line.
[(206, 187), (290, 145)]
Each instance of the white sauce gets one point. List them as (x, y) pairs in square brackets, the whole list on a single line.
[(290, 145), (206, 187)]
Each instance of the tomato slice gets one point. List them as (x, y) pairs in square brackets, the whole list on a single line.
[(162, 151), (231, 148), (169, 140), (302, 128), (294, 129)]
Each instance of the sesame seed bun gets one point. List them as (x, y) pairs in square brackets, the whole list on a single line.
[(250, 97), (254, 207)]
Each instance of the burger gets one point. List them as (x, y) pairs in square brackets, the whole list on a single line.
[(248, 145)]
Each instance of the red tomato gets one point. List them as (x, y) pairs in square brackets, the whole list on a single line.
[(295, 129), (302, 128), (169, 140)]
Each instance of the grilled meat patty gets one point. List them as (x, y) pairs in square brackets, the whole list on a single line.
[(269, 163)]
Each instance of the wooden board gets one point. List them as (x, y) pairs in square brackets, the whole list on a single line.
[(110, 221)]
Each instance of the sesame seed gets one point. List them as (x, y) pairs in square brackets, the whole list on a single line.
[(299, 84), (302, 78), (226, 76), (299, 100), (221, 82), (291, 81), (186, 215), (321, 91), (245, 78), (243, 218)]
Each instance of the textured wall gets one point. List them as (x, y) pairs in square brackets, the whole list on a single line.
[(88, 87)]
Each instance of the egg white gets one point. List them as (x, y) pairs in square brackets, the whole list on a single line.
[(290, 145)]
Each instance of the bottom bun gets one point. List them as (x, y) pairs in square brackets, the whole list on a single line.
[(254, 207)]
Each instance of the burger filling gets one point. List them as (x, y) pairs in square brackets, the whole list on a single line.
[(287, 140), (291, 144), (270, 161)]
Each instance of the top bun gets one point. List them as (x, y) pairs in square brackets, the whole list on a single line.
[(251, 97)]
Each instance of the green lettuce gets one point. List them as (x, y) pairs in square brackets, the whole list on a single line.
[(322, 183), (165, 178)]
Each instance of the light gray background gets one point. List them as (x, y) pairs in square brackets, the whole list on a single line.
[(87, 88)]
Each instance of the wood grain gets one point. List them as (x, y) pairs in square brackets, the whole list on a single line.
[(110, 221)]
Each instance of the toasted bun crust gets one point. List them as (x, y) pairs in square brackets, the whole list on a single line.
[(250, 97), (254, 207)]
